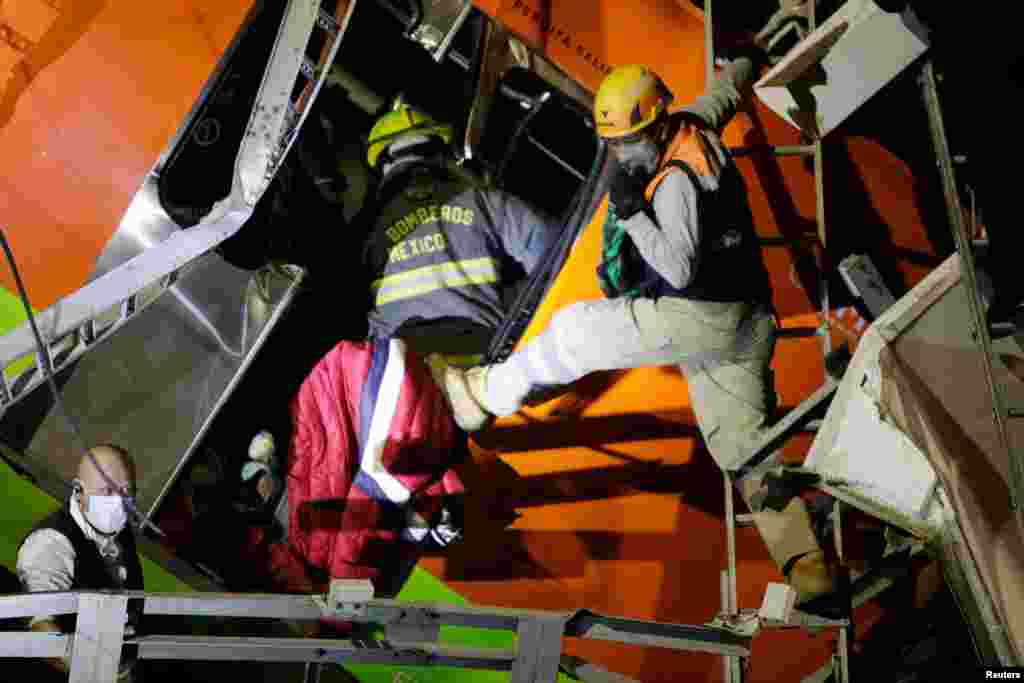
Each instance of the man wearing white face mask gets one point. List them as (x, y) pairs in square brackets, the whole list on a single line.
[(86, 544)]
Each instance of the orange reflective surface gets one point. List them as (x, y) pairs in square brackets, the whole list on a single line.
[(622, 507), (91, 92)]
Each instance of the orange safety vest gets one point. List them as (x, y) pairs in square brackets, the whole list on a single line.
[(729, 264), (684, 148)]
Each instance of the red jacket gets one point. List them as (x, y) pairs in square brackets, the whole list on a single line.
[(371, 456)]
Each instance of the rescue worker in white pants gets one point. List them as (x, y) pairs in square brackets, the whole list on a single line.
[(686, 283), (681, 266)]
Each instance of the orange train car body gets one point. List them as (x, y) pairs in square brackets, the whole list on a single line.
[(91, 91)]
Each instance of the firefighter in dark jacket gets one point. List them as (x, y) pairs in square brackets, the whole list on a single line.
[(442, 248), (86, 544)]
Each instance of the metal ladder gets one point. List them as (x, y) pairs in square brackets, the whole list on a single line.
[(734, 666), (964, 246), (76, 323), (964, 240)]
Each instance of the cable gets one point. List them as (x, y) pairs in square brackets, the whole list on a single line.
[(58, 401)]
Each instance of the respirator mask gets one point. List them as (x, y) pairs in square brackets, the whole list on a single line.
[(637, 154), (106, 514)]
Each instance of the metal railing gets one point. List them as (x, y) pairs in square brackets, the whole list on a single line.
[(411, 632)]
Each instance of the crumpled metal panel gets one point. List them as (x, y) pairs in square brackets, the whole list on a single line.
[(267, 123), (275, 120), (924, 370), (155, 386), (72, 322), (441, 21)]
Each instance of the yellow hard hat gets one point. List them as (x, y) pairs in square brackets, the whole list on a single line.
[(401, 120), (630, 98)]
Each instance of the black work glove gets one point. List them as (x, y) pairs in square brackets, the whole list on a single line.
[(608, 285), (627, 194)]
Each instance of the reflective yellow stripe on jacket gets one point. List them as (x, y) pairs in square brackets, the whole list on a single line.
[(420, 281)]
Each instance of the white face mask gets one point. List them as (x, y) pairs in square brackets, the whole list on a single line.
[(107, 513)]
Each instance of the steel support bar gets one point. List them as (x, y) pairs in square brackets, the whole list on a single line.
[(843, 644), (319, 651), (99, 635), (823, 265), (731, 605), (439, 24), (819, 205), (32, 644), (652, 634), (709, 45), (963, 245), (840, 658), (805, 620), (413, 632), (386, 612), (785, 427), (776, 150), (36, 604), (723, 584), (732, 667), (581, 624), (265, 144), (231, 605), (539, 650)]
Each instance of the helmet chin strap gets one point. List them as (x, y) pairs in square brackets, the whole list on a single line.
[(661, 138)]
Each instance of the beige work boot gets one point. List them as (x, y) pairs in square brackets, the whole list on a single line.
[(464, 390), (812, 576), (789, 534)]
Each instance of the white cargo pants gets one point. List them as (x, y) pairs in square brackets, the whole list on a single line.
[(723, 349)]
